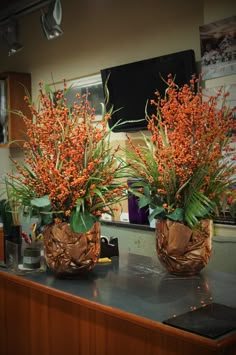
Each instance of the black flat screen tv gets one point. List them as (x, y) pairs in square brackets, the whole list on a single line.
[(132, 85)]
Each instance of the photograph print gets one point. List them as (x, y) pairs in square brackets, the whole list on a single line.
[(218, 48)]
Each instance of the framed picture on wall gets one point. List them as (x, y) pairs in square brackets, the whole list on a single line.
[(91, 85), (218, 48)]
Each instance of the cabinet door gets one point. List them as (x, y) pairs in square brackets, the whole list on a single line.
[(17, 85)]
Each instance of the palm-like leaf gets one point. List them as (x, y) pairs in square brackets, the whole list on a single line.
[(198, 206)]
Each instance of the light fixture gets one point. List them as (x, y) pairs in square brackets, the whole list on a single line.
[(52, 19), (10, 34)]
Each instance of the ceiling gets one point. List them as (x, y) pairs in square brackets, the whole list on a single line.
[(17, 8)]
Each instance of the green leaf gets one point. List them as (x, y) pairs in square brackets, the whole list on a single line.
[(99, 193), (41, 201), (190, 219), (156, 211), (198, 206), (177, 215), (143, 201), (146, 190), (81, 222), (80, 205)]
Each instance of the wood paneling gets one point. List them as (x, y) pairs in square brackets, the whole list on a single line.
[(38, 323), (37, 320), (17, 318), (3, 329)]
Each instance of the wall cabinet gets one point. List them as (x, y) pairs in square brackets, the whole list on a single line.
[(13, 88)]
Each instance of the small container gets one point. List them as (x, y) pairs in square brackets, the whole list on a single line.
[(12, 255), (15, 237), (31, 258)]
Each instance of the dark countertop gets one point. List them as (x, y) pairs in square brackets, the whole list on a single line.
[(139, 285)]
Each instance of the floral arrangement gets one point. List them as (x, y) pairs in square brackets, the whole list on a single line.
[(70, 170), (187, 161)]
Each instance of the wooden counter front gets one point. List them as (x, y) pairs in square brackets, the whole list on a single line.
[(39, 319)]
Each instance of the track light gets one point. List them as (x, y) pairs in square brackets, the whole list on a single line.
[(10, 34), (52, 19)]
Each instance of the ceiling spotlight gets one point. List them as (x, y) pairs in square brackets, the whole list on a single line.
[(10, 34), (52, 19)]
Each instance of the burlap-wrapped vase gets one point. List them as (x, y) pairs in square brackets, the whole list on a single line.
[(69, 253), (181, 250)]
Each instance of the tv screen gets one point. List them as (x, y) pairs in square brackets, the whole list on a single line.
[(131, 85)]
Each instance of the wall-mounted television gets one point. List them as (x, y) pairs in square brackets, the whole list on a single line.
[(131, 85)]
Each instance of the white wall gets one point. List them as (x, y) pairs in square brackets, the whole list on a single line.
[(98, 34), (103, 33), (215, 10), (5, 163)]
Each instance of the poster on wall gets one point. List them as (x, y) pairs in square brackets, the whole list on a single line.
[(218, 48)]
